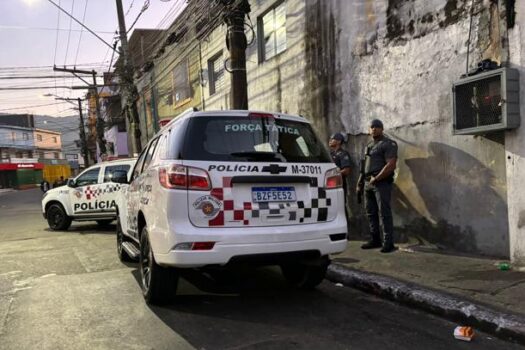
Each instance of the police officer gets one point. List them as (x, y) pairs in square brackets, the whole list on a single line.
[(377, 179), (341, 158)]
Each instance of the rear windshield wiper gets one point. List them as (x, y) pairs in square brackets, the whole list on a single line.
[(258, 155)]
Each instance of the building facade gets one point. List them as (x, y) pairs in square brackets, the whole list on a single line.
[(341, 64), (69, 135), (19, 165), (48, 147)]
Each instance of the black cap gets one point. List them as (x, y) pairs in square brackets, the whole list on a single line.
[(376, 123), (338, 136)]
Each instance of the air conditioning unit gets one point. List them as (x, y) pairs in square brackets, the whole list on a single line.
[(486, 102)]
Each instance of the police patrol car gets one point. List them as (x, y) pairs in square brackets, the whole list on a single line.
[(226, 187), (89, 196)]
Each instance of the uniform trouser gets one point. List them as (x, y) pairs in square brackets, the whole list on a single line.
[(377, 201)]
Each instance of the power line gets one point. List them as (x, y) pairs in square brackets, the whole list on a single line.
[(69, 32), (42, 67), (7, 27), (33, 106), (33, 77), (144, 8), (82, 24), (81, 32)]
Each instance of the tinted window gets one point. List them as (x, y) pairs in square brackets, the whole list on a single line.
[(160, 152), (149, 154), (252, 139), (108, 172), (90, 177), (138, 166)]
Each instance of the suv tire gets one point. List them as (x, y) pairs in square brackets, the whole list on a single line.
[(305, 275), (159, 284), (121, 238), (57, 219)]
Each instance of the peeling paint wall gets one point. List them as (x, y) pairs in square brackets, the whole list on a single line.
[(397, 60), (515, 145)]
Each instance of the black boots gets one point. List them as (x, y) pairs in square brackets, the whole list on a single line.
[(388, 248), (385, 248)]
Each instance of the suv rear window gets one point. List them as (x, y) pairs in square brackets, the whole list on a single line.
[(252, 139)]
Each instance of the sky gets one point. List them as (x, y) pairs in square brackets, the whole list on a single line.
[(31, 45)]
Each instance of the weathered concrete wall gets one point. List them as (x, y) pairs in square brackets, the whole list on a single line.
[(515, 145), (211, 46), (274, 85), (277, 84), (396, 60)]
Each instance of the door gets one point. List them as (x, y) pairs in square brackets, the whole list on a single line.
[(109, 190), (132, 198), (84, 198)]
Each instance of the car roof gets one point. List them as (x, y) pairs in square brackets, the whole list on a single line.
[(246, 113), (192, 113), (116, 162)]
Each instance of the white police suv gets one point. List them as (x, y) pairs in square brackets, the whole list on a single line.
[(89, 196), (226, 187)]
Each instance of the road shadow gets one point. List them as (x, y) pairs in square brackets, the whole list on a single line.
[(254, 307), (86, 229)]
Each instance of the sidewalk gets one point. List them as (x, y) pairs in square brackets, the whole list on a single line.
[(467, 289), (5, 190)]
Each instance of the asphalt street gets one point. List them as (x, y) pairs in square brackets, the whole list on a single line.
[(67, 290)]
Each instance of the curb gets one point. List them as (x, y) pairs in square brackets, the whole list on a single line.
[(502, 325)]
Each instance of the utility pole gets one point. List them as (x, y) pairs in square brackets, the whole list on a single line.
[(236, 43), (82, 131), (83, 140), (100, 122), (129, 91)]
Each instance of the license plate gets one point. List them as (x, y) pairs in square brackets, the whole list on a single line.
[(273, 194)]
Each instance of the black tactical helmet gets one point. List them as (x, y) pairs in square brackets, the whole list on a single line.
[(376, 123), (338, 136)]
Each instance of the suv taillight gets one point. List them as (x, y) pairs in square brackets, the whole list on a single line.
[(333, 179), (184, 177)]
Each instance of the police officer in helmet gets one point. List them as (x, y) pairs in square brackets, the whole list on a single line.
[(341, 158), (376, 181)]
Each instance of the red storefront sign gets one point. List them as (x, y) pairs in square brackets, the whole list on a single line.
[(19, 166)]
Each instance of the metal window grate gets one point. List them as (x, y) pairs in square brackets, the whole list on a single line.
[(480, 103), (486, 102)]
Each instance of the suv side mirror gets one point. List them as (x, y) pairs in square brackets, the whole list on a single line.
[(120, 177), (71, 183)]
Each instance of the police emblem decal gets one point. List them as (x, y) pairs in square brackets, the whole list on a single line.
[(208, 205)]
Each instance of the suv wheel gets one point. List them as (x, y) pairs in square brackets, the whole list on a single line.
[(159, 284), (122, 255), (306, 275), (57, 218)]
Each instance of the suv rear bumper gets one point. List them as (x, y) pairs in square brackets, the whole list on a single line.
[(225, 251)]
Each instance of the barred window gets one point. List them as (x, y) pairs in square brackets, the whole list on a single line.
[(272, 32), (216, 73)]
